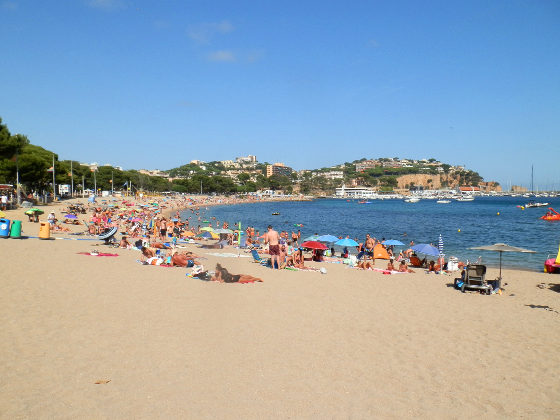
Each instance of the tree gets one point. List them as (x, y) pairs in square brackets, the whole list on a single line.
[(243, 177)]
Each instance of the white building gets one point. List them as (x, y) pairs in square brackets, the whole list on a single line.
[(330, 174), (356, 192), (246, 159)]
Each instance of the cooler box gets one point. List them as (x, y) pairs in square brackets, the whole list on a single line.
[(15, 231), (44, 230), (4, 228)]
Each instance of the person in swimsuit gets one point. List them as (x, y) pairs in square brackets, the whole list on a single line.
[(222, 275), (369, 245), (271, 238)]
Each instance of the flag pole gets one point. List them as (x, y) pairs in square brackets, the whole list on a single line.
[(53, 179), (72, 179), (18, 199)]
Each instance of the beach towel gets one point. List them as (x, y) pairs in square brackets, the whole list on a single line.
[(101, 254)]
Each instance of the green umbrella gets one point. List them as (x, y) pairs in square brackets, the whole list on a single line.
[(33, 211)]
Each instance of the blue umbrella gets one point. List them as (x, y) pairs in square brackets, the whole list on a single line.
[(393, 242), (327, 238), (426, 249), (311, 238), (346, 242)]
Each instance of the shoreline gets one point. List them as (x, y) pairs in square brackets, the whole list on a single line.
[(104, 337)]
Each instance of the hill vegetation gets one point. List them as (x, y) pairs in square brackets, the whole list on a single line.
[(32, 162)]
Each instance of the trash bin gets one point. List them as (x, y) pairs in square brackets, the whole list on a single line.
[(15, 231), (44, 230), (4, 228)]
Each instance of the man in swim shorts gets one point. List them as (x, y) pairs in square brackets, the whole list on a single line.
[(272, 239), (369, 246)]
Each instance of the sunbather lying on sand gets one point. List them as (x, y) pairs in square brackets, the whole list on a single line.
[(403, 268), (365, 265), (223, 276), (183, 260)]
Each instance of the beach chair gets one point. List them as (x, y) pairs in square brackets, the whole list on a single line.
[(258, 259), (475, 279)]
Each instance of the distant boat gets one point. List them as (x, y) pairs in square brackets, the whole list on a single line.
[(531, 204), (551, 215), (465, 199), (364, 202), (443, 201), (275, 213), (412, 200)]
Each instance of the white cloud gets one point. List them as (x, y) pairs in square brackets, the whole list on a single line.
[(222, 55), (204, 32), (107, 4)]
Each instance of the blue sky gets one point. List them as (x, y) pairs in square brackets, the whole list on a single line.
[(155, 84)]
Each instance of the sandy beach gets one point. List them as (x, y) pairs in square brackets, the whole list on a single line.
[(346, 344)]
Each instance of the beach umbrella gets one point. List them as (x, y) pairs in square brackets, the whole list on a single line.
[(188, 233), (71, 216), (441, 254), (207, 228), (34, 210), (346, 242), (499, 247), (426, 249), (327, 238), (393, 242), (312, 238), (223, 231), (313, 245), (208, 235)]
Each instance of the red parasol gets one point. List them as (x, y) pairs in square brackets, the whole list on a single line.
[(313, 245)]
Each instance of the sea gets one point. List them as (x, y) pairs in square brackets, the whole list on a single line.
[(462, 225)]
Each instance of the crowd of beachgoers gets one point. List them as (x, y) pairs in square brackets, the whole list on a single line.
[(160, 227)]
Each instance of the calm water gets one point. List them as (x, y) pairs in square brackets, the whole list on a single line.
[(461, 224)]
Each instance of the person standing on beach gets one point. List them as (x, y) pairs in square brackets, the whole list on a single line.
[(271, 238), (369, 246)]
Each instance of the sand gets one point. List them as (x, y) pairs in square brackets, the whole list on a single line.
[(346, 344)]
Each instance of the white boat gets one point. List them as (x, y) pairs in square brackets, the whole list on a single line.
[(412, 200), (465, 199), (533, 204), (443, 201)]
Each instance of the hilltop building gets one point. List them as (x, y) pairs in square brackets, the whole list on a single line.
[(246, 159), (278, 169), (366, 164)]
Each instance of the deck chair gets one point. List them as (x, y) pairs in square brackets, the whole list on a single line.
[(258, 259), (475, 279)]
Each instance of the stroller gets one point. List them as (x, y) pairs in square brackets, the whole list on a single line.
[(474, 278)]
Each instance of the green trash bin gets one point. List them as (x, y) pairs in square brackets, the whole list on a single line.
[(15, 231)]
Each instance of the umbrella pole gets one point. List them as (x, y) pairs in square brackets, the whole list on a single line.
[(500, 278)]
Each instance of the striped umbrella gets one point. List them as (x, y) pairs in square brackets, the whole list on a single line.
[(441, 254)]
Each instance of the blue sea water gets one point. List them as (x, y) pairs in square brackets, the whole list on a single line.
[(462, 224)]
